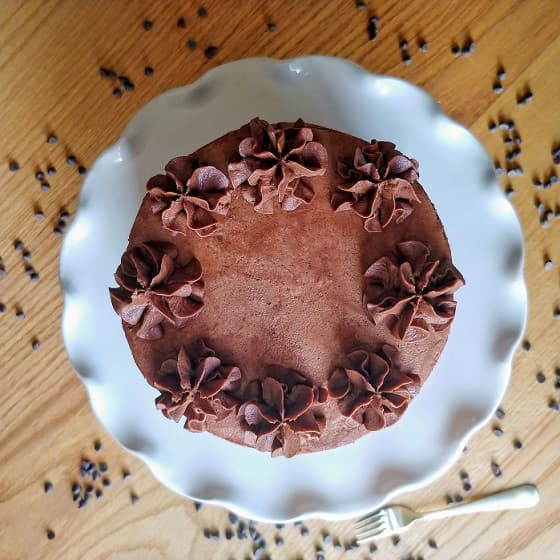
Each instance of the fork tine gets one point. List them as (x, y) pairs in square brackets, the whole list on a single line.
[(370, 518), (372, 527), (372, 534)]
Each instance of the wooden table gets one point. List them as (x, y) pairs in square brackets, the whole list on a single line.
[(50, 55)]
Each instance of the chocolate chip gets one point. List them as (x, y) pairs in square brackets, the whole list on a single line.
[(448, 499), (182, 23), (106, 481), (396, 540), (191, 44), (458, 498), (50, 534), (35, 344), (3, 308), (501, 73), (82, 502), (45, 187), (304, 531), (467, 486), (360, 5), (210, 52), (126, 83), (498, 87), (197, 506), (553, 404), (432, 544), (57, 231), (517, 444), (336, 543), (26, 256), (403, 45), (126, 475), (233, 518), (541, 377), (327, 538), (39, 175), (13, 166), (98, 493), (500, 414), (52, 139), (279, 541), (491, 126), (148, 71), (147, 24), (202, 12), (422, 45), (509, 191), (298, 523), (464, 475), (104, 72), (372, 548), (406, 58), (557, 385), (71, 160), (82, 170), (96, 444), (48, 487), (372, 29), (103, 467), (279, 525), (496, 470), (51, 170), (548, 265), (117, 93), (76, 488), (497, 431), (455, 49), (2, 270), (271, 26), (89, 489), (133, 498), (39, 215)]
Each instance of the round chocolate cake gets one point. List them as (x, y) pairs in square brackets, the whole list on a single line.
[(287, 287)]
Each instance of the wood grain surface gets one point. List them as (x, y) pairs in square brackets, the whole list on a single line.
[(50, 55)]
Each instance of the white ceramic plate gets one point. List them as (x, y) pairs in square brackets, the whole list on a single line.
[(486, 243)]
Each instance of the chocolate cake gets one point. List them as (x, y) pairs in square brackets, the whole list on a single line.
[(287, 287)]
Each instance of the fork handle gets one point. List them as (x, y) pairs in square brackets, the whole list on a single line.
[(524, 496)]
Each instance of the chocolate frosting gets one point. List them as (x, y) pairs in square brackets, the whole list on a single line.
[(373, 390), (195, 384), (411, 292), (277, 163), (288, 289), (190, 196), (280, 410), (378, 185), (154, 286)]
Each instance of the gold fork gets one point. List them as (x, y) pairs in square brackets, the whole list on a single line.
[(393, 519)]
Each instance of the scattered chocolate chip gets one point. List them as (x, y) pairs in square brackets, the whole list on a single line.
[(464, 475), (517, 444), (35, 344), (206, 533), (3, 308), (106, 481), (557, 385), (360, 5), (82, 170), (45, 187), (89, 489), (182, 23), (52, 139), (229, 534), (126, 475), (50, 534), (82, 502), (76, 488), (13, 166), (210, 52), (556, 313), (501, 73), (126, 83), (197, 506), (372, 548), (2, 270), (497, 431), (233, 518), (104, 72), (298, 523), (455, 49), (98, 493), (103, 467), (191, 44), (467, 486), (71, 160), (548, 265), (202, 12), (406, 58), (148, 71), (26, 256), (39, 215), (304, 531), (48, 487), (491, 126), (51, 170), (96, 444), (432, 544), (553, 404), (372, 28), (147, 24), (278, 541), (57, 231), (327, 538), (448, 499), (497, 87), (468, 48), (271, 26), (422, 45), (39, 175), (496, 470), (117, 93), (403, 45), (396, 540), (279, 526), (509, 191), (64, 215), (500, 414), (133, 498)]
